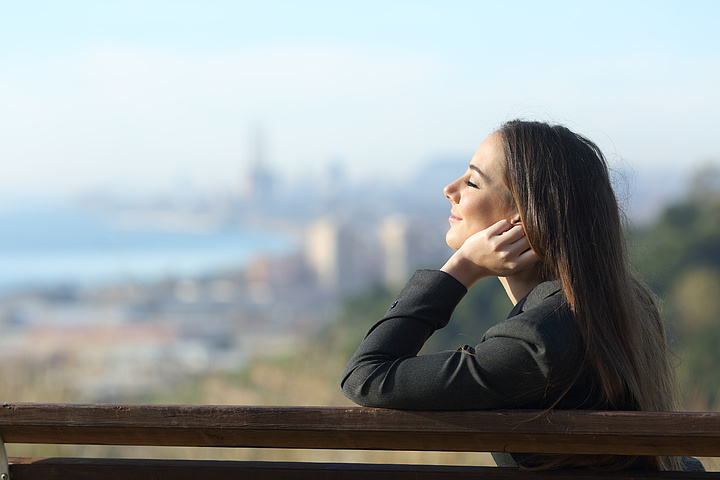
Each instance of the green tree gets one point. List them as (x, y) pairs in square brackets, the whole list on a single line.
[(679, 256), (695, 301)]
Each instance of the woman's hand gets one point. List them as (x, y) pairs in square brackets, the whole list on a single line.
[(500, 250)]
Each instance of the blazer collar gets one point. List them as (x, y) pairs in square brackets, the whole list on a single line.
[(536, 295)]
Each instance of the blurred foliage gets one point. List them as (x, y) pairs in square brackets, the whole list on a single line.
[(679, 256), (685, 236), (353, 319)]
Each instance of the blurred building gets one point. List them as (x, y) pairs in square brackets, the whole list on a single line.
[(393, 236), (341, 255), (409, 243)]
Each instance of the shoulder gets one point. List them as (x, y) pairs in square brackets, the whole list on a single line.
[(542, 319)]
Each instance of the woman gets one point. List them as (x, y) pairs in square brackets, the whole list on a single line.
[(536, 209)]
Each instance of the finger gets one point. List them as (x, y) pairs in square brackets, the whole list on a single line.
[(527, 258), (508, 238), (499, 228), (520, 247), (514, 233)]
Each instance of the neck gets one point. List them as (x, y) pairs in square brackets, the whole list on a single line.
[(520, 284)]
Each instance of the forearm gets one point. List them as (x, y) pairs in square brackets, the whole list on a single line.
[(425, 304)]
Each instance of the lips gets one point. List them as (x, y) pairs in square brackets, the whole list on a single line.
[(454, 218)]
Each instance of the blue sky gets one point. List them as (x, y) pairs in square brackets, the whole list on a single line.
[(136, 94)]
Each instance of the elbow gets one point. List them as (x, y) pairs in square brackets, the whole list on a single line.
[(355, 390), (348, 389)]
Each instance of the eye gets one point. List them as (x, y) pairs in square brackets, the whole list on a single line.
[(470, 184)]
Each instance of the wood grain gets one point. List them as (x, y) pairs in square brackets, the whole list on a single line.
[(578, 432)]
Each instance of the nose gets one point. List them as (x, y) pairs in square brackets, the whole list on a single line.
[(451, 191)]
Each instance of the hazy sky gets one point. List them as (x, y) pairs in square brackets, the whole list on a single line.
[(143, 92)]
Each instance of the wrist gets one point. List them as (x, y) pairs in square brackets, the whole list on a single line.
[(463, 270)]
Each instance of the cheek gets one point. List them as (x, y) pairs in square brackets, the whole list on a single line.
[(487, 214), (484, 213)]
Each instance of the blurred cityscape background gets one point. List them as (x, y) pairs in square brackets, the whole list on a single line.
[(211, 202), (130, 296)]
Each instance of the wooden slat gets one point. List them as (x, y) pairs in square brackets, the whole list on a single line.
[(123, 469), (364, 428)]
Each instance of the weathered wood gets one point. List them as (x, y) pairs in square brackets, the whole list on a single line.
[(576, 432), (123, 469)]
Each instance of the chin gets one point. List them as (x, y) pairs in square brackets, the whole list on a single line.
[(452, 242)]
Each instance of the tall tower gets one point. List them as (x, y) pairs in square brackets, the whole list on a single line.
[(259, 179)]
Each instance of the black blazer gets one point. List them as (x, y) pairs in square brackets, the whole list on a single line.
[(529, 360), (534, 359)]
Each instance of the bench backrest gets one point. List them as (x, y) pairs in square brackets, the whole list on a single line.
[(572, 432)]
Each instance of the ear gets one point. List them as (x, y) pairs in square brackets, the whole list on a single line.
[(516, 219)]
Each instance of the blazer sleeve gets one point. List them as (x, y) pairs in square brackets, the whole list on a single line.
[(510, 368)]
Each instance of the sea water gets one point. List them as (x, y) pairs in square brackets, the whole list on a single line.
[(48, 246)]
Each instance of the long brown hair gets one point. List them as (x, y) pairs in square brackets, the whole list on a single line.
[(561, 185)]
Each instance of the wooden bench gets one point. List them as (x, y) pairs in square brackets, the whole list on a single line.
[(578, 432)]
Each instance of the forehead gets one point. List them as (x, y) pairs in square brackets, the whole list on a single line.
[(489, 157)]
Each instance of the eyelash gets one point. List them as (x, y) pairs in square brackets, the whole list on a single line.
[(470, 184)]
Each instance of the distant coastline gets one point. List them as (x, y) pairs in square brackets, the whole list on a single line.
[(47, 247)]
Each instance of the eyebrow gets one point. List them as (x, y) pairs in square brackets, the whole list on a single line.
[(475, 169)]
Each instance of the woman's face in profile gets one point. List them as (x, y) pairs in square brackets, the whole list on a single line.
[(478, 197)]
